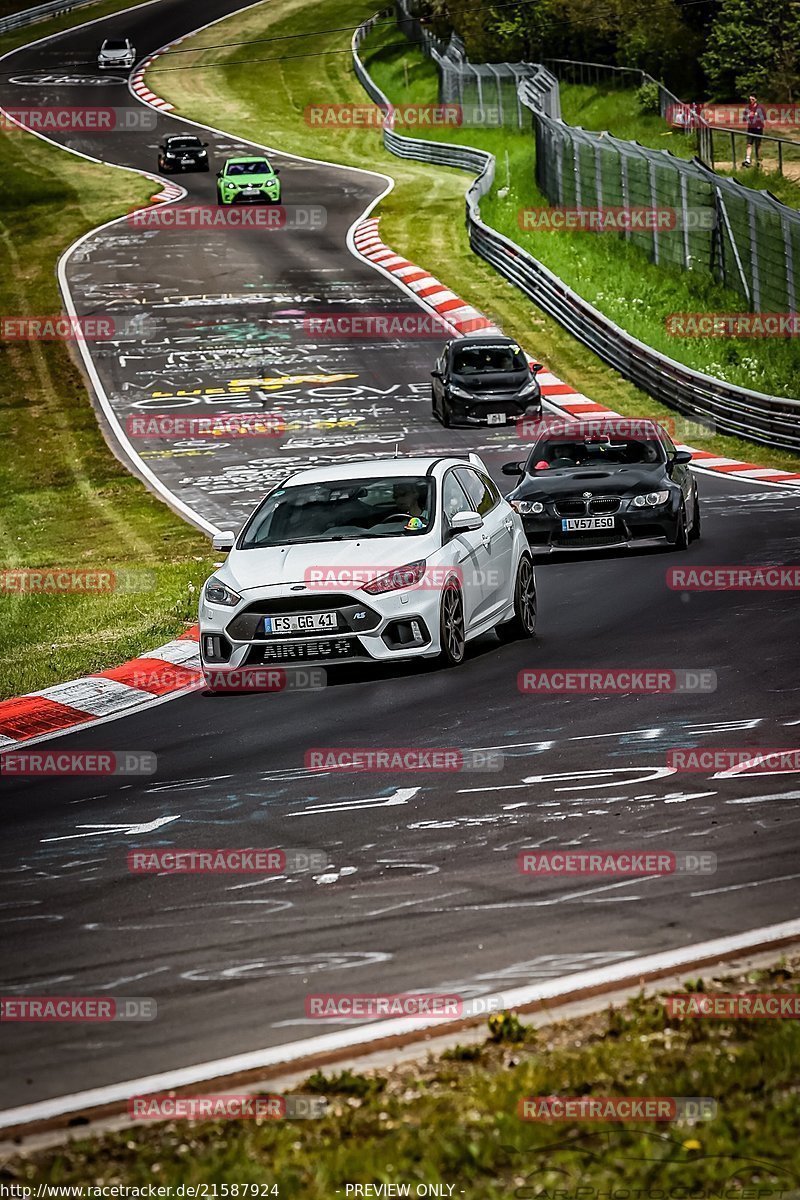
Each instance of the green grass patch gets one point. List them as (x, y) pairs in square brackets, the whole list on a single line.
[(421, 218), (455, 1119), (67, 501)]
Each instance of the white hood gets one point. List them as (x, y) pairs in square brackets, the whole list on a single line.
[(280, 565)]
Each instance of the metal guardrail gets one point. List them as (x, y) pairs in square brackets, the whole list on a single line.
[(769, 420), (30, 15)]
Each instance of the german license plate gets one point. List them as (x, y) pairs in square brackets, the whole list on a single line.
[(496, 418), (581, 524), (300, 623)]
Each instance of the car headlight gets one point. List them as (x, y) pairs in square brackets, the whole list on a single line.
[(650, 499), (400, 577), (531, 388), (218, 592), (526, 507), (460, 392)]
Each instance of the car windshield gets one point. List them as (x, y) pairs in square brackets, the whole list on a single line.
[(488, 359), (256, 167), (115, 45), (343, 510), (566, 453), (183, 143)]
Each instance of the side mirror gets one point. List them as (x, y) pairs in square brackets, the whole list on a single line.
[(536, 368), (436, 374), (515, 468), (463, 522), (219, 174), (276, 170), (681, 457), (224, 540), (204, 144)]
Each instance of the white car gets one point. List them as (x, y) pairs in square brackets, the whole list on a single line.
[(387, 559), (116, 52)]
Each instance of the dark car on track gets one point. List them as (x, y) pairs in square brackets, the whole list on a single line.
[(182, 152), (484, 379), (589, 484)]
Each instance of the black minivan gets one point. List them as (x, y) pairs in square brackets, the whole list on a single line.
[(484, 379)]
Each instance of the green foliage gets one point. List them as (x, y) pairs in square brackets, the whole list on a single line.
[(344, 1083), (507, 1027), (754, 48), (648, 98)]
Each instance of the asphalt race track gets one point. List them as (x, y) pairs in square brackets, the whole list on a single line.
[(421, 890)]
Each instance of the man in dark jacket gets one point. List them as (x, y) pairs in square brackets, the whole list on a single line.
[(755, 128)]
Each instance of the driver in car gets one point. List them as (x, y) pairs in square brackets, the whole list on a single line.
[(410, 499)]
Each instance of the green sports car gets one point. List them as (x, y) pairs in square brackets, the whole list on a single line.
[(248, 181)]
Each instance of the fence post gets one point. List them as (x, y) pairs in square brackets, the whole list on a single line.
[(598, 172), (685, 216), (623, 165), (742, 276), (788, 253), (651, 174), (754, 269)]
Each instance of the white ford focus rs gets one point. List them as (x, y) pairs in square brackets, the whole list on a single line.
[(392, 558)]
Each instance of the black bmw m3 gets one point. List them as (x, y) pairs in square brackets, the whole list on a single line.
[(612, 482)]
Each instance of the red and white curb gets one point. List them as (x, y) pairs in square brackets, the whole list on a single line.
[(463, 318), (141, 89), (171, 670)]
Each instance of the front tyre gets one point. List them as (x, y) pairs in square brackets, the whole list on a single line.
[(694, 528), (452, 636), (681, 539), (523, 623)]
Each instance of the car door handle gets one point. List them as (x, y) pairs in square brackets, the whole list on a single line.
[(508, 524), (486, 539)]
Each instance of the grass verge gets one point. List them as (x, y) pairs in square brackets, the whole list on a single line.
[(454, 1120), (417, 218), (66, 500)]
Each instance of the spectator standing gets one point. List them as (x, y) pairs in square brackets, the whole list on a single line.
[(755, 129)]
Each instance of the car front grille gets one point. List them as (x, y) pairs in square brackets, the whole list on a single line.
[(603, 537), (352, 617), (604, 504), (571, 508), (318, 650)]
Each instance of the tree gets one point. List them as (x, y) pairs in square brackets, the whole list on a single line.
[(755, 48)]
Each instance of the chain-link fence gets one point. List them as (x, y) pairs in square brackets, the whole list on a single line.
[(716, 142), (703, 222), (488, 93), (745, 239)]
